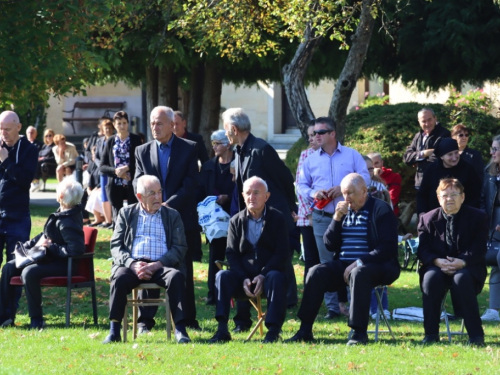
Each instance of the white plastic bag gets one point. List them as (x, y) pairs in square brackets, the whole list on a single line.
[(213, 220)]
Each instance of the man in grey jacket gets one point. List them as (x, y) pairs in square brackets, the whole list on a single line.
[(148, 245)]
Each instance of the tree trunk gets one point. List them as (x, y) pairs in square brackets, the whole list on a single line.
[(151, 92), (184, 102), (210, 108), (352, 68), (293, 80), (167, 88), (195, 97)]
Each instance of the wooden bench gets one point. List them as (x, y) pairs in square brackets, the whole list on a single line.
[(108, 107)]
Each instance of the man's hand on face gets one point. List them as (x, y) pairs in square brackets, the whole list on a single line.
[(341, 210)]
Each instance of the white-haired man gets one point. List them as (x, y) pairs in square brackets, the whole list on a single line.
[(173, 161), (148, 245), (363, 235), (257, 252)]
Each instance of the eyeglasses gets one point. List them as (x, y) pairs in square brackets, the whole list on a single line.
[(215, 144), (461, 135), (48, 135), (452, 196), (322, 132), (494, 149)]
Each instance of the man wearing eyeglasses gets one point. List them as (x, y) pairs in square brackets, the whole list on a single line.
[(18, 161), (448, 165), (421, 151), (320, 179)]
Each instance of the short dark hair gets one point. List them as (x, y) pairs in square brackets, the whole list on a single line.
[(446, 183), (120, 115), (180, 114), (330, 124)]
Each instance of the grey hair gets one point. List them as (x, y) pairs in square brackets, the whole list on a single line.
[(372, 155), (169, 112), (255, 179), (219, 135), (353, 179), (426, 109), (143, 181), (238, 118), (71, 190)]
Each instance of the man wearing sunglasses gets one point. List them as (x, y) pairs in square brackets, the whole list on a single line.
[(320, 179), (421, 151)]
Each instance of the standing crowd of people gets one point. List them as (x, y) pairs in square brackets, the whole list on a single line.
[(347, 216)]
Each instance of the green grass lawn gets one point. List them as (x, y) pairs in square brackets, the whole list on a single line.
[(78, 349)]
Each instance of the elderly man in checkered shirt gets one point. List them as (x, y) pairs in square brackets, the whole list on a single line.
[(148, 245)]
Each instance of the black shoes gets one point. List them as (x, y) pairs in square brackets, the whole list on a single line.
[(112, 338), (301, 336), (241, 328), (7, 323), (271, 337), (220, 337), (182, 337), (332, 315), (358, 339), (431, 339), (37, 323), (476, 341)]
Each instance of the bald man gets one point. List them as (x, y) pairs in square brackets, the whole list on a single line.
[(18, 161)]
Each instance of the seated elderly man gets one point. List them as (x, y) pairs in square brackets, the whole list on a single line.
[(363, 235), (452, 249), (148, 245), (257, 252)]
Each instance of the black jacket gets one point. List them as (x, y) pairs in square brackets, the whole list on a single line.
[(463, 172), (207, 182), (201, 149), (271, 251), (65, 230), (472, 234), (411, 155), (474, 157), (47, 154), (489, 195), (16, 174)]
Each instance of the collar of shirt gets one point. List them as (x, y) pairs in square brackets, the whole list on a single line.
[(242, 150), (168, 144), (260, 218), (338, 149), (143, 212)]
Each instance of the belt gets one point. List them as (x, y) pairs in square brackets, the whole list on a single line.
[(322, 213)]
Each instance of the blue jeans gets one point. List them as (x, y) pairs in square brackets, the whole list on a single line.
[(320, 225), (11, 231)]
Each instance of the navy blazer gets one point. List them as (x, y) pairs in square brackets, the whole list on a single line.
[(472, 233), (271, 251), (182, 176), (262, 160)]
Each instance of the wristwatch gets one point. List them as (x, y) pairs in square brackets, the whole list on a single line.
[(359, 263)]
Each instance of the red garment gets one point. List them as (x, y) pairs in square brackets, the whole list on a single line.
[(321, 203), (393, 182)]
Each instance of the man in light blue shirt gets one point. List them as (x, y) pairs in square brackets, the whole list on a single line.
[(320, 179)]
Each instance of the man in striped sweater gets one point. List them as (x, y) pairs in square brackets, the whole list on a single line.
[(363, 236)]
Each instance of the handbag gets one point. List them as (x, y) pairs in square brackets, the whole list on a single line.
[(492, 248), (25, 257)]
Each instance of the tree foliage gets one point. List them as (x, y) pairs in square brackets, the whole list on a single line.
[(45, 48)]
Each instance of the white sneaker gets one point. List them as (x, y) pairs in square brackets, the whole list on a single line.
[(387, 314), (35, 186), (490, 315)]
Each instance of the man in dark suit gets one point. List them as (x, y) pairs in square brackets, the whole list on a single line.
[(202, 155), (173, 161), (257, 252), (148, 245), (256, 157)]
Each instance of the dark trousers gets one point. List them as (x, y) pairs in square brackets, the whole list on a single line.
[(31, 276), (463, 289), (124, 280), (117, 194), (228, 285), (311, 255), (196, 245), (217, 250), (329, 277), (147, 314), (11, 231)]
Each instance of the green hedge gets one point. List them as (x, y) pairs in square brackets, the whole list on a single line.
[(389, 129)]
